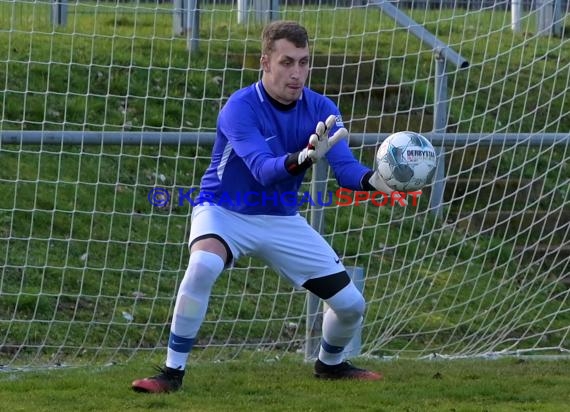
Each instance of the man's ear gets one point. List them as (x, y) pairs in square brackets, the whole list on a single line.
[(264, 62)]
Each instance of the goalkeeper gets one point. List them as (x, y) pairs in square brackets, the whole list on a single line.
[(268, 135)]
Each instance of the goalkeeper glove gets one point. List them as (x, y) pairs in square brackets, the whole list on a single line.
[(376, 182), (319, 144), (373, 181)]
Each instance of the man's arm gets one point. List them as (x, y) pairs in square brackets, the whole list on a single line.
[(239, 124)]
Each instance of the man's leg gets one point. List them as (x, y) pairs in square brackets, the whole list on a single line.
[(340, 323), (207, 259)]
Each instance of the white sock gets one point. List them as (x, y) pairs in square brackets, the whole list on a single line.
[(340, 322), (191, 305)]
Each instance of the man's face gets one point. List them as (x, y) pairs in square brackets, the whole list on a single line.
[(285, 71)]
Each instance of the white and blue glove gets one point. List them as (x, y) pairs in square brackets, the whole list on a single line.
[(377, 182), (372, 181), (320, 143)]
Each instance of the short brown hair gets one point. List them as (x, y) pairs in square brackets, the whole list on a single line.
[(283, 29)]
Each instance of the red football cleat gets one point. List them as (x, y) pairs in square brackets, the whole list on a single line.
[(344, 370), (168, 380)]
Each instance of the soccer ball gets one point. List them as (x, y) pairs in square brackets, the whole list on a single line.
[(406, 161)]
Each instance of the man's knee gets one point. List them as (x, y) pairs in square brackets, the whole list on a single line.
[(354, 311), (348, 304), (203, 270)]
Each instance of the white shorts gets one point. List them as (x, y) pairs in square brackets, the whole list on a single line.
[(288, 244)]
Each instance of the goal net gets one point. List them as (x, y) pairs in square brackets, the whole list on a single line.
[(107, 110)]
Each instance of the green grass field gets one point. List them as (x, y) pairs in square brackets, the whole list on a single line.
[(504, 385)]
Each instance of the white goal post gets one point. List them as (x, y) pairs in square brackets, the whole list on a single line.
[(107, 121)]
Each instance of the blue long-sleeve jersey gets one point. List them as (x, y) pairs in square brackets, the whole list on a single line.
[(255, 135)]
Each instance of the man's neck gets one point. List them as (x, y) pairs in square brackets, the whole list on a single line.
[(277, 104)]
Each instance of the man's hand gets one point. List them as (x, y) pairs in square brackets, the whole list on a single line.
[(377, 183), (319, 144)]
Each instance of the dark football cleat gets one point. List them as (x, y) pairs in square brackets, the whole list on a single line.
[(344, 370), (168, 380)]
